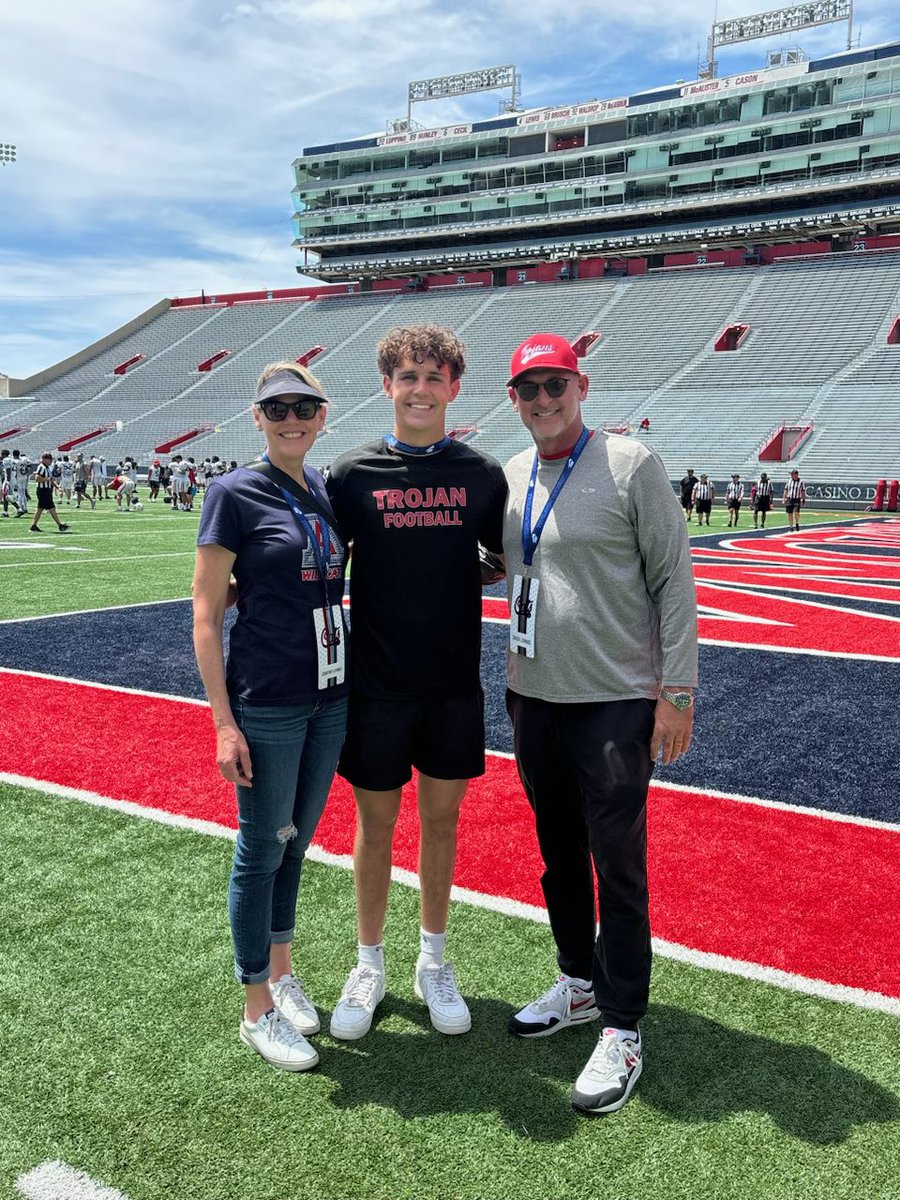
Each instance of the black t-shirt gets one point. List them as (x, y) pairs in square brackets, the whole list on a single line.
[(687, 486), (415, 582)]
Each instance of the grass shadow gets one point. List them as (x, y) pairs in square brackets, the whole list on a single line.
[(697, 1071)]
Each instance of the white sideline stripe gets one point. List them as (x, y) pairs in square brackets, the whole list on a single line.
[(785, 980), (58, 1181), (780, 805), (81, 612), (704, 641), (90, 562), (104, 687)]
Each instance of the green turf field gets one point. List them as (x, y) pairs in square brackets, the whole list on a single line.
[(109, 559), (121, 1054)]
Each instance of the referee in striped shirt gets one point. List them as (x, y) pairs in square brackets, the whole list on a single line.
[(703, 495), (794, 496)]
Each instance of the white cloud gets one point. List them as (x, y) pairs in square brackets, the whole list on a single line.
[(155, 140)]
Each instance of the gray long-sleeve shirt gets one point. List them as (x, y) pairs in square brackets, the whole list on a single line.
[(616, 614)]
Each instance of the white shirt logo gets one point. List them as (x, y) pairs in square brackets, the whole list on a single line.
[(531, 352)]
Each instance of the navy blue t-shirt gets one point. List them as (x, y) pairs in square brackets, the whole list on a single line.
[(273, 655)]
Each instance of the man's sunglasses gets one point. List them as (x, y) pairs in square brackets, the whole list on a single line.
[(528, 390), (303, 409)]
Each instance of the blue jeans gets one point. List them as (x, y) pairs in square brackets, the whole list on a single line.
[(294, 752)]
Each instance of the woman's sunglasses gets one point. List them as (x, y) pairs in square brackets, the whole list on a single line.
[(528, 390), (303, 409)]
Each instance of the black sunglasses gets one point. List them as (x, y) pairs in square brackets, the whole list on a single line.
[(303, 409), (528, 390)]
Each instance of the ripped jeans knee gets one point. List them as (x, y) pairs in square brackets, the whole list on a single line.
[(286, 833)]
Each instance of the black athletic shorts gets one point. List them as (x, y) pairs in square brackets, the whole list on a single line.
[(792, 506), (735, 504), (443, 738), (45, 498), (704, 506), (763, 504)]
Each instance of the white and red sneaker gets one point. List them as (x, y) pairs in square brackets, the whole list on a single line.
[(609, 1074), (569, 1002)]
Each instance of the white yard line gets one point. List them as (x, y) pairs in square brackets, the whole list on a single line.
[(702, 960), (58, 1181), (91, 562)]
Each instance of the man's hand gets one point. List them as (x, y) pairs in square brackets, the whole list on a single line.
[(493, 567), (233, 756), (671, 731)]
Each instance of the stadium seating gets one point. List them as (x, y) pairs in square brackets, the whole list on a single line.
[(817, 350)]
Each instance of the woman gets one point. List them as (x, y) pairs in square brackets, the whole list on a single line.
[(280, 706)]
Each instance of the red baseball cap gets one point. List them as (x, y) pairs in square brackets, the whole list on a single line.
[(540, 352)]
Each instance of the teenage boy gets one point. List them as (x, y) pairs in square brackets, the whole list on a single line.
[(416, 506)]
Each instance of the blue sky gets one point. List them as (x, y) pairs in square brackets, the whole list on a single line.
[(155, 139)]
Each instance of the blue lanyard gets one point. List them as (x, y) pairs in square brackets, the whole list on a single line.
[(306, 525), (404, 447), (530, 538)]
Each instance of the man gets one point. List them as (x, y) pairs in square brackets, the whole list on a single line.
[(415, 506), (124, 487), (601, 670), (46, 485), (154, 473), (21, 468), (734, 498), (98, 476), (702, 496), (686, 485), (762, 500), (794, 497), (80, 477), (7, 483), (65, 478)]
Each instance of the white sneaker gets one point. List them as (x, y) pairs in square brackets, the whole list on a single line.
[(566, 1003), (279, 1043), (292, 1002), (353, 1013), (610, 1074), (437, 987)]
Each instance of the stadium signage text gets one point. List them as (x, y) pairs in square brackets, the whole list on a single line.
[(595, 108), (732, 81), (840, 491), (423, 135)]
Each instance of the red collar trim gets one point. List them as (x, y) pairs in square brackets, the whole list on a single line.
[(563, 453)]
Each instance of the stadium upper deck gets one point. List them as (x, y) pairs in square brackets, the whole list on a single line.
[(794, 140)]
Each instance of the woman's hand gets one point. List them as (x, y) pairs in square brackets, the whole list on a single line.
[(233, 756)]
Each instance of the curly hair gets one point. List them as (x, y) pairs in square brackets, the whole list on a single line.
[(418, 343), (294, 368)]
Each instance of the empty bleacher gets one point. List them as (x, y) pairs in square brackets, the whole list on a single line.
[(817, 350)]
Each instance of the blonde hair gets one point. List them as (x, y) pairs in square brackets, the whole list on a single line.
[(293, 368)]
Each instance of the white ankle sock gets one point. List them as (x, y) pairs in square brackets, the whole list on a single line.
[(431, 948), (371, 956)]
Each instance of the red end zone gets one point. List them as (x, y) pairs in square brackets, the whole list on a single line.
[(789, 890)]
